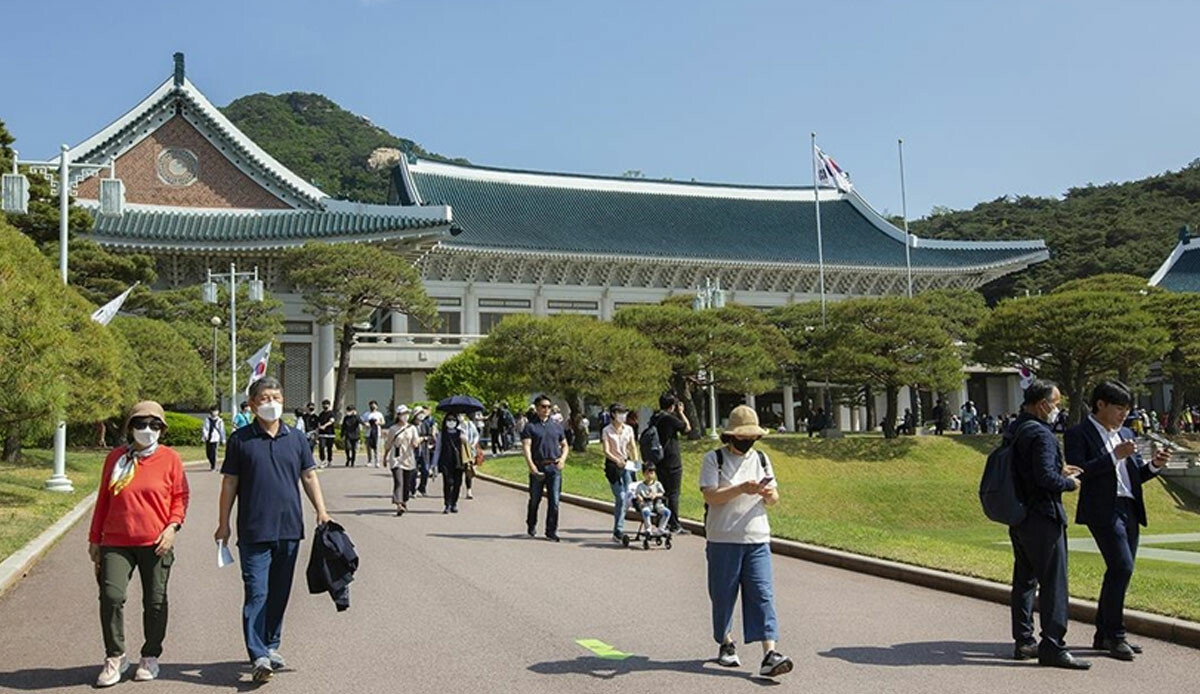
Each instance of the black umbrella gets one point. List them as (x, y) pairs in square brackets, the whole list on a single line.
[(459, 404)]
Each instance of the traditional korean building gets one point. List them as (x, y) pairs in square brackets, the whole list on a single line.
[(199, 194)]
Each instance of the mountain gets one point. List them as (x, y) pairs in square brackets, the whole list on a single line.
[(322, 142), (1116, 227)]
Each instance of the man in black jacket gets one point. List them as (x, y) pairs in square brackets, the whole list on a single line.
[(1040, 541), (1110, 504)]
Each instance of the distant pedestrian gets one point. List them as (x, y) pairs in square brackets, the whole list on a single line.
[(472, 426), (671, 421), (400, 451), (351, 432), (212, 432), (816, 423), (738, 484), (508, 425), (1039, 542), (325, 433), (939, 417), (243, 416), (266, 463), (425, 462), (495, 424), (374, 421), (140, 506), (618, 442), (450, 453), (544, 444), (311, 422)]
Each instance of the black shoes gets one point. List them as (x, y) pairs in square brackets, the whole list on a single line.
[(1025, 651), (532, 532), (1064, 660), (775, 664), (552, 538), (1100, 643)]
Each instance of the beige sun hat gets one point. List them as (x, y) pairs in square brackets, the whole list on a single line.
[(743, 421), (146, 408)]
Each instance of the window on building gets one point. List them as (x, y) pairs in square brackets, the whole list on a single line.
[(488, 321)]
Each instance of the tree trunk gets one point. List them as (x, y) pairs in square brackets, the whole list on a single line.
[(683, 390), (343, 371), (12, 448), (869, 398), (575, 402), (892, 395), (914, 404)]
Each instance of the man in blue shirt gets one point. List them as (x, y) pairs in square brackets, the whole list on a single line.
[(264, 462), (545, 446)]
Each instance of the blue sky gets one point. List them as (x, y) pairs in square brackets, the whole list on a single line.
[(991, 98)]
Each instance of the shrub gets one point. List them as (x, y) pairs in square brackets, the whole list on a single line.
[(183, 430)]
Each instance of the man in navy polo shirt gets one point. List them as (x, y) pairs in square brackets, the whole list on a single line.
[(545, 446), (263, 464)]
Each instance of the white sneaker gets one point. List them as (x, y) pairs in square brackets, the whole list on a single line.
[(113, 669), (470, 495), (147, 670)]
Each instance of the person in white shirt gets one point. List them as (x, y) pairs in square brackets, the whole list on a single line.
[(212, 432), (618, 454), (374, 421), (402, 439), (738, 484), (650, 494), (472, 425)]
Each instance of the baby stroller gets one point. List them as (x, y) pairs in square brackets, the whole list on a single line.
[(644, 533)]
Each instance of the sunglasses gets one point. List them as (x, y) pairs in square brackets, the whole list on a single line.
[(146, 423)]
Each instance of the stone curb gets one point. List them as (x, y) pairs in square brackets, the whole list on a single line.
[(17, 565), (1179, 631)]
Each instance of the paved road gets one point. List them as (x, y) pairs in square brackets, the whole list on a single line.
[(468, 603)]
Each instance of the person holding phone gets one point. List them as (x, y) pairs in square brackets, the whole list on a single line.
[(671, 421), (738, 484)]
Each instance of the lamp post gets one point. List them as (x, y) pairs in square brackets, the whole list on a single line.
[(711, 296), (216, 323), (15, 194), (210, 297)]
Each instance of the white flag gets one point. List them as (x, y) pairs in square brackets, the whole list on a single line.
[(105, 313), (829, 173), (258, 364)]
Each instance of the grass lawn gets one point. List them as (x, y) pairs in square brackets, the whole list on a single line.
[(26, 509), (914, 500), (1177, 546)]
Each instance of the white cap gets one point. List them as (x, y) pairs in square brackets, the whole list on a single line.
[(402, 409)]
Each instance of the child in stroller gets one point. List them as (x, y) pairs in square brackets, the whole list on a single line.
[(648, 498)]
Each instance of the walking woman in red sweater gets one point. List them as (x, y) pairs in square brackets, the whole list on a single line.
[(140, 506)]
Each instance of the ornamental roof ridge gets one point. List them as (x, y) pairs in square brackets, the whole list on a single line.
[(1181, 247)]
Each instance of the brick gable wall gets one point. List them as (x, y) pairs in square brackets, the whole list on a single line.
[(218, 182)]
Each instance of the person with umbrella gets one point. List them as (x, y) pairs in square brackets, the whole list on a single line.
[(452, 453)]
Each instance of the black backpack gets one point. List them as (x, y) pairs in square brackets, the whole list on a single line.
[(649, 444), (762, 465), (998, 488)]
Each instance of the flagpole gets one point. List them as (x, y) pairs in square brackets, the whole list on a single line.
[(904, 212), (820, 247)]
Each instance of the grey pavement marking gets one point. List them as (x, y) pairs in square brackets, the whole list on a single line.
[(466, 602)]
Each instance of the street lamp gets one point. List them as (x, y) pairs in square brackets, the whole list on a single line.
[(14, 197), (216, 323), (711, 296), (210, 297)]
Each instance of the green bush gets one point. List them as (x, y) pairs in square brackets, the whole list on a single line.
[(183, 430)]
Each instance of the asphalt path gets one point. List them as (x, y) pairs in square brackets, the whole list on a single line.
[(469, 603)]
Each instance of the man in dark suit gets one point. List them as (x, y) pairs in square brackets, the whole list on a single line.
[(1040, 540), (1110, 504)]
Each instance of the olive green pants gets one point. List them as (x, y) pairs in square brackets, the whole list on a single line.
[(116, 568)]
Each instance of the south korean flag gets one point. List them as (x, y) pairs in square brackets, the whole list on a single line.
[(258, 364)]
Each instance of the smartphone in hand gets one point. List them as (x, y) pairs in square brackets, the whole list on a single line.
[(766, 480)]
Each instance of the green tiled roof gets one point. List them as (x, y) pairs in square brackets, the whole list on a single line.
[(1184, 275), (216, 228), (518, 216)]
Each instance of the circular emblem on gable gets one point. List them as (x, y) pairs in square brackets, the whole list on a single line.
[(177, 166)]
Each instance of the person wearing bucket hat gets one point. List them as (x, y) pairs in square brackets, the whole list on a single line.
[(399, 454), (140, 506), (738, 484)]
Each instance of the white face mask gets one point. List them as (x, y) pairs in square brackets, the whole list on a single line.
[(620, 417), (145, 437), (270, 411), (1053, 415), (403, 419)]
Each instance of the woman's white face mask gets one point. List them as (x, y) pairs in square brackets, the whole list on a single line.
[(620, 417), (145, 437)]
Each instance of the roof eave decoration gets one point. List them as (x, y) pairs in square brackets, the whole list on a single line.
[(891, 230)]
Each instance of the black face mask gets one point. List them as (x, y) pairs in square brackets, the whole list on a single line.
[(742, 446)]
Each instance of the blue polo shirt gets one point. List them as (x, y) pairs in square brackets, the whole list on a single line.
[(546, 438), (268, 472)]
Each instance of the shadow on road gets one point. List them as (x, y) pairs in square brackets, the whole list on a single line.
[(927, 653), (607, 669), (225, 675)]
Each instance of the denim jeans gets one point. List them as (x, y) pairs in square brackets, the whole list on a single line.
[(619, 507), (664, 515), (550, 481), (734, 568), (267, 569)]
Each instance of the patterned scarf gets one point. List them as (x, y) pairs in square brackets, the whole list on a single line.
[(126, 467)]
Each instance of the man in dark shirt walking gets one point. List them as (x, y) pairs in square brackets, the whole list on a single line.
[(265, 465), (325, 433), (671, 421), (545, 446)]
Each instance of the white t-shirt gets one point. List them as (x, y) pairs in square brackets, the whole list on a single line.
[(619, 441), (400, 442), (742, 520), (376, 418)]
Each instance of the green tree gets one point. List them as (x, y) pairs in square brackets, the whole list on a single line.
[(471, 373), (888, 343), (1073, 338), (343, 284), (577, 357), (169, 367), (1179, 315)]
